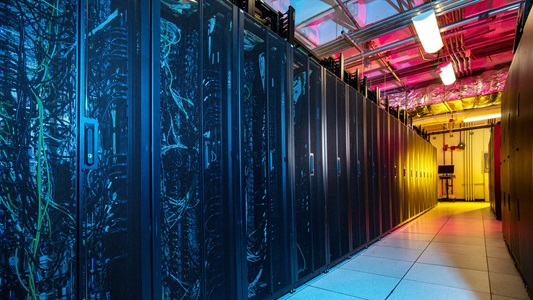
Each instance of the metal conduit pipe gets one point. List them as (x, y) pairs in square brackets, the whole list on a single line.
[(458, 32), (402, 20), (387, 47), (348, 13), (390, 25)]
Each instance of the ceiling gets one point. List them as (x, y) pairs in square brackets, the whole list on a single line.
[(377, 37)]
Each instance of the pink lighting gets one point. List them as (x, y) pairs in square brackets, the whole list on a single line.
[(446, 73), (428, 31)]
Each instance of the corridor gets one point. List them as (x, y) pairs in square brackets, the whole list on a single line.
[(454, 251)]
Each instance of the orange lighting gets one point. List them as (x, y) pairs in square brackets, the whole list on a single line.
[(446, 73), (428, 31)]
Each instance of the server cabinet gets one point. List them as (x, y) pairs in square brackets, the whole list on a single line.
[(38, 149), (110, 208), (264, 171), (384, 163), (316, 130), (411, 188), (254, 160), (333, 168), (345, 218), (413, 162), (304, 165), (372, 177), (197, 255), (309, 200), (280, 208), (394, 169), (404, 194), (356, 179)]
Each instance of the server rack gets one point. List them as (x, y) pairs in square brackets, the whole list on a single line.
[(343, 175), (395, 171), (404, 196), (316, 131), (357, 171), (304, 164), (197, 244), (309, 200), (384, 162), (333, 169), (372, 167), (39, 142)]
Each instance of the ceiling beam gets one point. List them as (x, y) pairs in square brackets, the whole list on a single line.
[(391, 24), (358, 58), (348, 14)]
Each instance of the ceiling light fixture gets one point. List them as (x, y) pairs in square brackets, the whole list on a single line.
[(428, 31), (482, 117), (446, 73)]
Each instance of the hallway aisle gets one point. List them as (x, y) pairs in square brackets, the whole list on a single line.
[(454, 251)]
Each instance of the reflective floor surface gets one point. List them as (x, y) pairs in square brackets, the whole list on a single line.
[(454, 251)]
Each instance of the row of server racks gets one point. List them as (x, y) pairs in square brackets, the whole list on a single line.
[(181, 150), (516, 159)]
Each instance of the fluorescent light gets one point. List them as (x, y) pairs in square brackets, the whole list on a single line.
[(428, 31), (446, 73), (482, 117)]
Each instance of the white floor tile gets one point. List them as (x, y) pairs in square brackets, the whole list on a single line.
[(393, 253), (455, 239), (499, 252), (313, 293), (502, 266), (453, 277), (454, 251), (456, 248), (358, 284), (454, 260), (379, 266), (408, 289), (507, 285), (403, 243)]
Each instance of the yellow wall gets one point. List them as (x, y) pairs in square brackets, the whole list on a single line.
[(469, 162)]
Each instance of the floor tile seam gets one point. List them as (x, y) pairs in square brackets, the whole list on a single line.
[(365, 272), (487, 259), (328, 290), (449, 286), (400, 247), (516, 274), (513, 298), (391, 258), (448, 252), (461, 268), (458, 244)]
